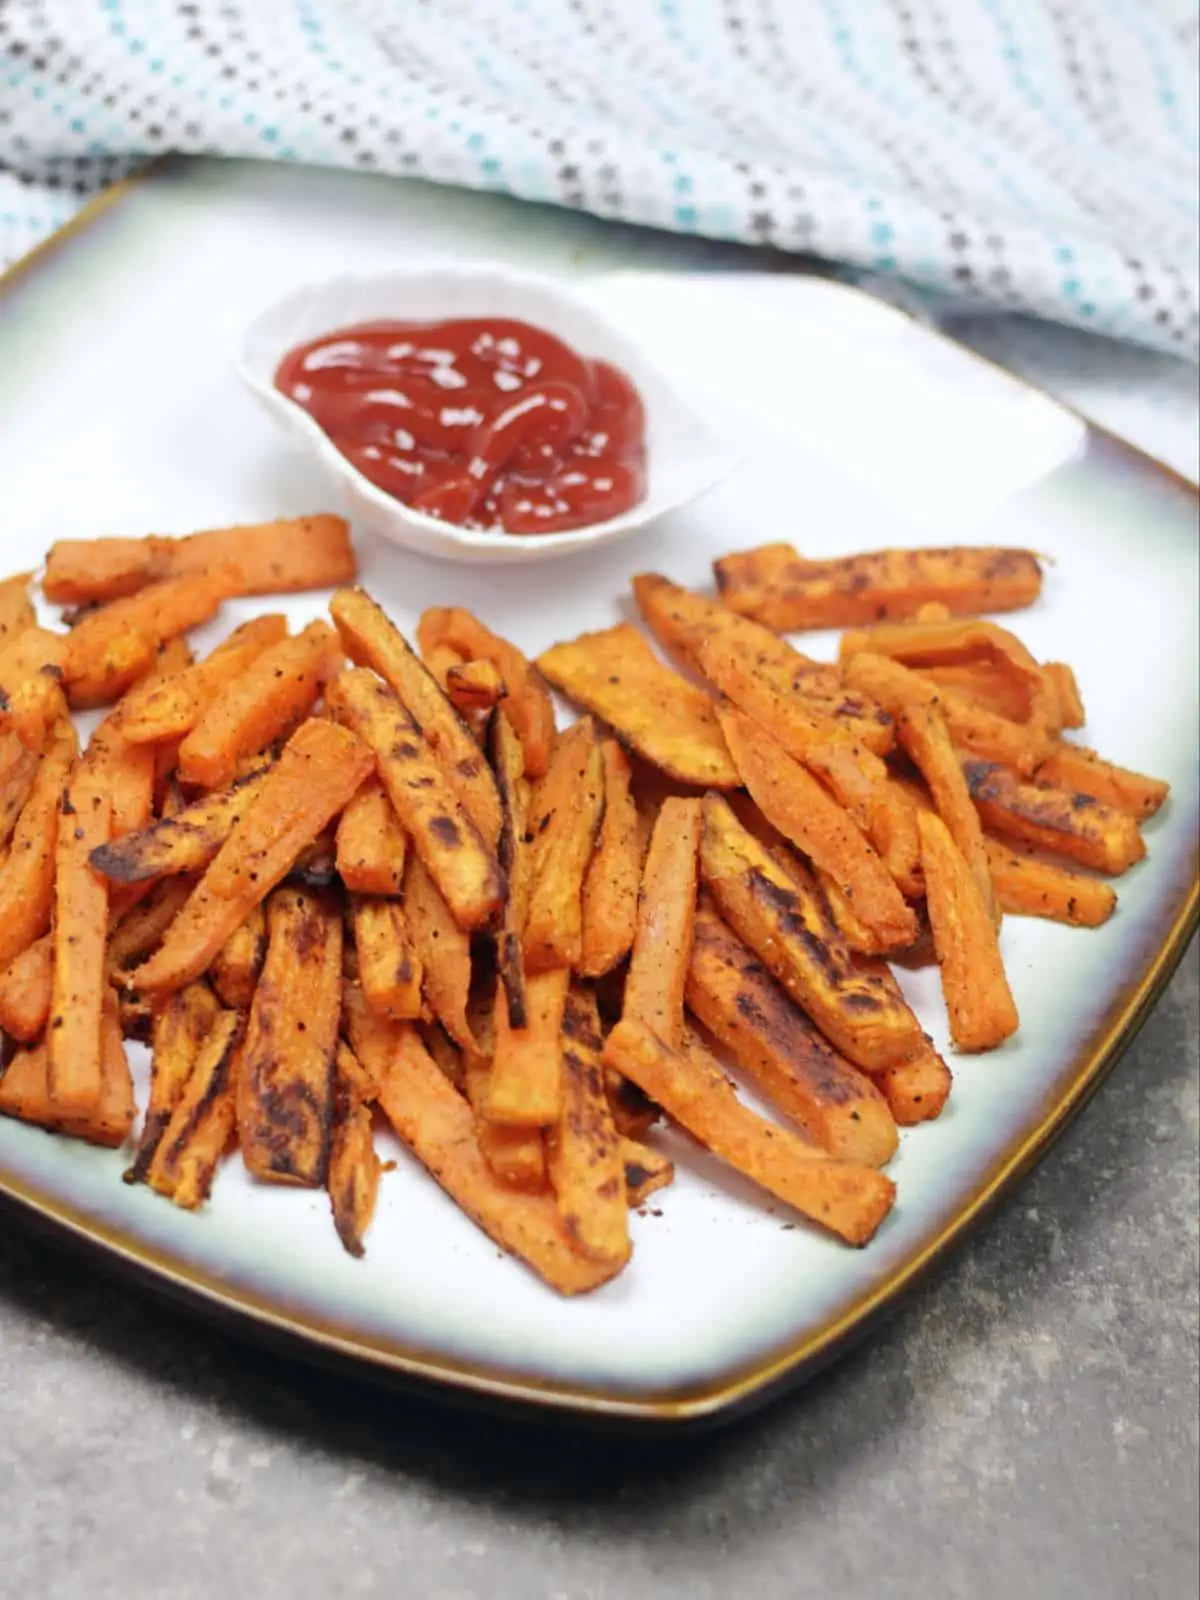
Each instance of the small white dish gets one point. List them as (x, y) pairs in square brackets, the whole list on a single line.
[(685, 456)]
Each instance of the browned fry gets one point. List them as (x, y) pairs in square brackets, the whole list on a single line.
[(260, 705), (916, 1090), (25, 1092), (662, 944), (516, 1156), (319, 770), (436, 1124), (138, 929), (1030, 887), (25, 991), (447, 1054), (668, 721), (31, 668), (27, 878), (633, 1111), (1059, 676), (586, 1167), (186, 1158), (805, 814), (185, 841), (778, 587), (171, 709), (474, 685), (79, 983), (1074, 767), (372, 640), (782, 1053), (567, 812), (16, 608), (526, 1082), (610, 886), (978, 999), (439, 658), (443, 951), (178, 1032), (18, 769), (787, 926), (1072, 825), (646, 1170), (442, 834), (388, 965), (516, 859), (372, 1036), (983, 682), (237, 964), (848, 1199), (285, 1082), (371, 843), (354, 1164)]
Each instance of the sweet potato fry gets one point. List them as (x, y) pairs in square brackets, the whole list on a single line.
[(319, 770), (568, 807), (285, 1079), (666, 914), (372, 640), (916, 1090), (27, 879), (33, 708), (79, 983), (778, 587), (354, 1164), (16, 608), (516, 860), (25, 991), (526, 704), (848, 1199), (634, 1113), (440, 658), (1071, 713), (25, 1092), (236, 966), (787, 926), (978, 999), (610, 886), (183, 842), (526, 1082), (1075, 767), (186, 1158), (780, 1051), (982, 682), (669, 722), (18, 769), (259, 705), (646, 1170), (586, 1168), (27, 654), (804, 813), (171, 709), (436, 1124), (682, 620), (1030, 887), (447, 1054), (272, 558), (441, 833), (443, 951), (136, 930), (124, 771), (372, 1037), (515, 1155), (1072, 825), (388, 965), (178, 1032), (371, 843), (474, 685)]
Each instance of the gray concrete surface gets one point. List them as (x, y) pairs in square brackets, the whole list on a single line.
[(1027, 1426)]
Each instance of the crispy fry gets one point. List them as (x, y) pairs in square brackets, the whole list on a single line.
[(16, 608), (25, 1092), (439, 658), (258, 706), (25, 991), (372, 1037), (186, 1158), (18, 769), (526, 1082), (33, 708), (586, 1167), (1073, 825), (27, 879), (79, 983), (178, 1033), (371, 843), (527, 703), (1075, 767), (442, 834), (354, 1164), (443, 951), (781, 1052), (436, 1124), (31, 667), (319, 770), (124, 771), (1030, 887), (646, 1170), (447, 1054), (272, 558), (778, 587), (916, 1090), (171, 709), (138, 929), (978, 999), (372, 640), (1059, 676), (237, 964), (983, 682), (633, 1111), (787, 926), (610, 887), (516, 861), (285, 1081), (185, 841), (515, 1155), (475, 685), (662, 945), (795, 803), (652, 710), (388, 965), (569, 807), (848, 1199)]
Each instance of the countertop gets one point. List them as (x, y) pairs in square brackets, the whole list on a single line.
[(1026, 1425)]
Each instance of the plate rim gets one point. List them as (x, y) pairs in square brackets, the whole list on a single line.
[(305, 1334)]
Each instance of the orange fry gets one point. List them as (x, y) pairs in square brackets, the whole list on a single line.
[(610, 888), (662, 945), (1030, 887), (1073, 825)]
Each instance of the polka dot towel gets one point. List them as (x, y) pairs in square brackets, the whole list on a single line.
[(1027, 155)]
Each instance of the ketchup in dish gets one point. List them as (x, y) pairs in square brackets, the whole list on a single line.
[(484, 422)]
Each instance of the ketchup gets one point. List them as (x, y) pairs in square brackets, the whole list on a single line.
[(485, 422)]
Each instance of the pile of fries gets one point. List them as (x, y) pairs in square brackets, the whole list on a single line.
[(331, 878)]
